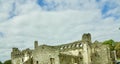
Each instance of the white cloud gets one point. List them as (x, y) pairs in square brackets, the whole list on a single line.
[(17, 7)]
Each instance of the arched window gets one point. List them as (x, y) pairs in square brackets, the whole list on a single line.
[(77, 45), (65, 46), (69, 46), (52, 61), (80, 45), (61, 48), (73, 45)]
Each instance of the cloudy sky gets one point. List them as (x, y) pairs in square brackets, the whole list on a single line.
[(56, 22)]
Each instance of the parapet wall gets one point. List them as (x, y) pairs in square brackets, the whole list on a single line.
[(71, 46), (16, 53)]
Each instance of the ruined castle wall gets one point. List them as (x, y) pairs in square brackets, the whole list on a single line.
[(19, 57), (26, 57), (29, 61), (86, 53), (71, 53), (16, 56), (79, 52), (45, 55), (101, 55), (71, 57), (17, 61)]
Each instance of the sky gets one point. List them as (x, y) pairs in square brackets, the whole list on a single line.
[(55, 22)]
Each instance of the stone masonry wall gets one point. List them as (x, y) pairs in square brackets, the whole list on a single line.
[(101, 54), (45, 55)]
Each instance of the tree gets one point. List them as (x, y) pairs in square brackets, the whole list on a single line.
[(111, 44), (7, 62), (1, 62)]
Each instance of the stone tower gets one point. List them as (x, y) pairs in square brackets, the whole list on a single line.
[(14, 52), (35, 44), (86, 37)]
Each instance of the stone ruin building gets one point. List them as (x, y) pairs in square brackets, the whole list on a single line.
[(78, 52)]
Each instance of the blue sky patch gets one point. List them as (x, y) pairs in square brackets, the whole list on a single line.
[(117, 17), (1, 34), (112, 15), (41, 3), (12, 12), (47, 6), (107, 7), (98, 0)]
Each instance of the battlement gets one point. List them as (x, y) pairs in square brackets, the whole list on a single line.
[(16, 53), (15, 49), (86, 37)]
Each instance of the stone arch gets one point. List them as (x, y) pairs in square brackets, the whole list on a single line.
[(69, 46), (73, 45), (80, 45), (61, 48), (77, 45), (65, 47)]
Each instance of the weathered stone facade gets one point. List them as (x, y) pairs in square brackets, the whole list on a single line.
[(78, 52), (20, 57)]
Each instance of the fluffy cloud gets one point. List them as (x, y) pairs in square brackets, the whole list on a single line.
[(54, 22)]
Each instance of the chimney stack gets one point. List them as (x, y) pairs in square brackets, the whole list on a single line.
[(35, 44)]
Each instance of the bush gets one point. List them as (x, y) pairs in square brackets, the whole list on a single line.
[(1, 62), (7, 62)]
